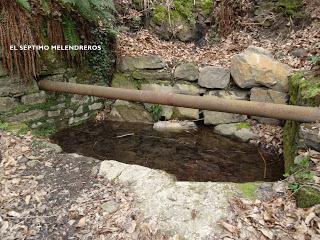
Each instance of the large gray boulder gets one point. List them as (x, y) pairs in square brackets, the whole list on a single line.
[(268, 96), (214, 77), (127, 63), (256, 66), (187, 72)]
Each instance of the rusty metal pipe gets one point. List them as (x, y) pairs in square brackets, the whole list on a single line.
[(270, 110)]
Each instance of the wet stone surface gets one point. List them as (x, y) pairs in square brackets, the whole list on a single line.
[(198, 155)]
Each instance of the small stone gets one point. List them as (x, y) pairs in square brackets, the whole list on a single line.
[(68, 112), (214, 77), (310, 134), (187, 89), (174, 126), (54, 113), (233, 130), (215, 118), (35, 98), (32, 115), (36, 125), (79, 110), (300, 53), (182, 113), (59, 106), (95, 106), (110, 207), (78, 99), (186, 71), (33, 163)]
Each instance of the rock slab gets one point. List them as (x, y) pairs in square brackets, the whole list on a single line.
[(127, 63), (214, 77), (187, 72), (181, 209)]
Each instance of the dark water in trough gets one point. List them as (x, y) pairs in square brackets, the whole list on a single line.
[(191, 156)]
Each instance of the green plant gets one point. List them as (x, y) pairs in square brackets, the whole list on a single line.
[(25, 4), (243, 125), (92, 10), (291, 7), (315, 60), (102, 62), (70, 33), (45, 130), (156, 111), (301, 174)]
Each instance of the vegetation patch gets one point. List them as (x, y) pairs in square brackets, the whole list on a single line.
[(45, 130), (16, 128), (291, 8), (243, 125), (156, 112), (301, 182), (248, 189)]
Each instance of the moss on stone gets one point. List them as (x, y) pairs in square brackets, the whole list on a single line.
[(243, 125), (248, 189), (307, 197), (16, 128), (290, 143), (304, 91), (121, 80)]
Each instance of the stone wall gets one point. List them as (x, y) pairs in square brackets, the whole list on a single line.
[(253, 75), (23, 106)]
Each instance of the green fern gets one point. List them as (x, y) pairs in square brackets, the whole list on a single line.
[(25, 4), (92, 10)]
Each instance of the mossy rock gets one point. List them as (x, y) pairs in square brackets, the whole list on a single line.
[(290, 143), (307, 197), (248, 190), (121, 80), (304, 90)]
